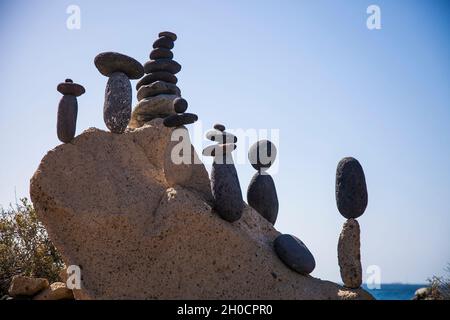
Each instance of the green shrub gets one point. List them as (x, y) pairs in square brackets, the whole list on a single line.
[(25, 247), (440, 286)]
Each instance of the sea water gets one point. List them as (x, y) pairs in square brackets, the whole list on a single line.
[(395, 291)]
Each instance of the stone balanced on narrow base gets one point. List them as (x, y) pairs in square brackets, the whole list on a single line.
[(157, 90), (225, 184), (179, 119), (68, 110), (119, 68), (351, 199), (261, 192)]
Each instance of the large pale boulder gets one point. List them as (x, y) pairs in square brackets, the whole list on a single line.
[(23, 286), (110, 209), (56, 291)]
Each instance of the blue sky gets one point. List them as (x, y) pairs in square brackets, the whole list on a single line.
[(308, 68)]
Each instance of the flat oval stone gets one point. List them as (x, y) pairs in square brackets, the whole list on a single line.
[(294, 254), (156, 76), (67, 118), (117, 107), (161, 53), (221, 137), (178, 120), (262, 196), (69, 88), (169, 34), (162, 65), (156, 88), (147, 109), (218, 149), (180, 105), (351, 189), (262, 154), (226, 191), (163, 42), (110, 62), (219, 127)]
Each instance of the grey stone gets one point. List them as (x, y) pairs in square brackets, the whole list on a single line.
[(262, 196), (220, 136), (161, 53), (70, 88), (156, 88), (177, 120), (163, 42), (67, 118), (162, 65), (294, 253), (117, 107), (349, 256), (262, 154), (169, 34), (147, 109), (180, 105), (351, 189), (156, 76), (110, 62)]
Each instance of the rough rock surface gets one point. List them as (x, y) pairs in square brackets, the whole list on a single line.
[(349, 254), (147, 109), (117, 106), (22, 286), (109, 209), (56, 291)]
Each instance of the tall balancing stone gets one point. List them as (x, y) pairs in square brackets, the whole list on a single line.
[(261, 192), (68, 110), (351, 200), (119, 68), (225, 184)]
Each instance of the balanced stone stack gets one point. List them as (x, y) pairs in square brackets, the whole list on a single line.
[(225, 184), (157, 90), (351, 199), (68, 110), (261, 192), (119, 69), (181, 118)]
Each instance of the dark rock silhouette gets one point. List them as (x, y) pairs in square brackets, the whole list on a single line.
[(294, 253), (68, 110)]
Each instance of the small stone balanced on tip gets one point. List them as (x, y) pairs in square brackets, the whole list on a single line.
[(351, 199), (120, 69), (180, 105), (225, 184), (68, 109), (261, 192)]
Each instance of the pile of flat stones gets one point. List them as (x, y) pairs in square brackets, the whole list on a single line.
[(351, 200), (68, 110), (157, 90)]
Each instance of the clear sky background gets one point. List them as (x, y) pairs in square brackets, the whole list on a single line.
[(309, 68)]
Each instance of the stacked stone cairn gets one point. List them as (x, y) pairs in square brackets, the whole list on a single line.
[(261, 192), (351, 199), (180, 105), (119, 68), (157, 90), (68, 110), (225, 186)]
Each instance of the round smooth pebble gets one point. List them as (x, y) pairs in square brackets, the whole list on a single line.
[(67, 118), (218, 149), (156, 76), (219, 127), (117, 107), (262, 196), (70, 88), (262, 154), (161, 53), (162, 65), (178, 120), (294, 254), (220, 136), (163, 42), (110, 62), (169, 34), (180, 105), (351, 189)]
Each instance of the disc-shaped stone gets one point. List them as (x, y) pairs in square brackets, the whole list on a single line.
[(70, 88), (161, 53), (218, 149), (162, 65), (110, 62), (157, 88), (221, 137), (157, 76), (163, 42), (178, 120), (169, 34)]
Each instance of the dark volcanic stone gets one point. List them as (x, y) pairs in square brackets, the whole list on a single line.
[(163, 42), (165, 65), (169, 34), (262, 154), (221, 137), (156, 76), (262, 196), (177, 120), (351, 189), (67, 118), (117, 107), (161, 53), (69, 81), (226, 191), (294, 254), (180, 105), (110, 62), (219, 127), (70, 88)]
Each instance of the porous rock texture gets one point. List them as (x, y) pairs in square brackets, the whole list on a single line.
[(349, 256), (109, 209)]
